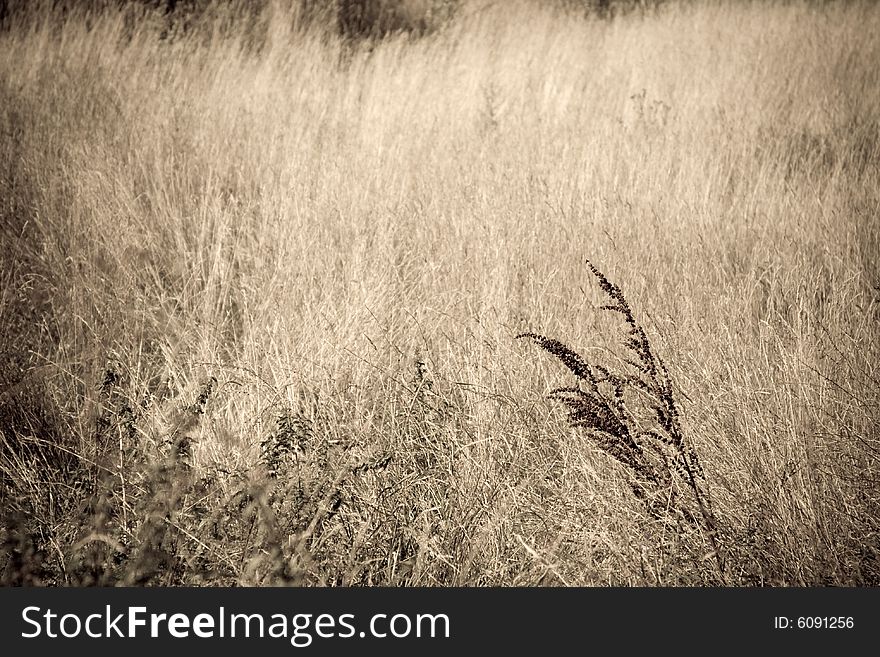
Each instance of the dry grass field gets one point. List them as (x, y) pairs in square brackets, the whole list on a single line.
[(261, 287)]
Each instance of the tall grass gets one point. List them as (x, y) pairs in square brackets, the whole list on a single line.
[(260, 291)]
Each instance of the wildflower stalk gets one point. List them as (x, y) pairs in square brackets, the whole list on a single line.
[(603, 404)]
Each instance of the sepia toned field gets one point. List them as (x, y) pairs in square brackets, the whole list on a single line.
[(261, 287)]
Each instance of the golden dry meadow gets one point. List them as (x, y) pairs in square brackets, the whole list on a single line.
[(261, 287)]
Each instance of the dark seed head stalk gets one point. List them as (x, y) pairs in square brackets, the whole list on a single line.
[(602, 403)]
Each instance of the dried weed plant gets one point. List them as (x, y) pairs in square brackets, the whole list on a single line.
[(634, 418)]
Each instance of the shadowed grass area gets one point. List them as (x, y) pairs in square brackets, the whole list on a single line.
[(260, 290)]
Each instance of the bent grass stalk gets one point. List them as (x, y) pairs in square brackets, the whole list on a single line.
[(606, 406)]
